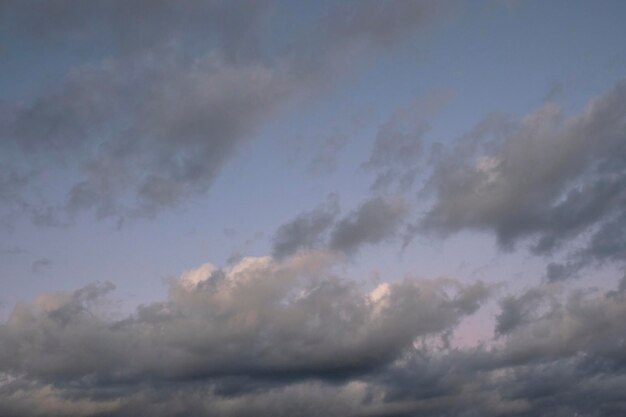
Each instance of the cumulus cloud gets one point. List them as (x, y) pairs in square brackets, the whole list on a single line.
[(549, 177), (260, 326), (291, 338)]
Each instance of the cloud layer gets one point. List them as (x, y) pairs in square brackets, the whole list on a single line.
[(292, 338), (125, 109), (258, 326)]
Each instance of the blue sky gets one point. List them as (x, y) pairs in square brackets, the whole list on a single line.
[(141, 141)]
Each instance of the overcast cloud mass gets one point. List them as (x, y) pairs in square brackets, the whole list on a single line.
[(270, 208)]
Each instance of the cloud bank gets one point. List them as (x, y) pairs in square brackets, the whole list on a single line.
[(291, 337)]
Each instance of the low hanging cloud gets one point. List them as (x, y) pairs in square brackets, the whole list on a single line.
[(549, 178), (256, 326), (291, 338)]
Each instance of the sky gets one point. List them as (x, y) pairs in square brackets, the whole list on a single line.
[(331, 208)]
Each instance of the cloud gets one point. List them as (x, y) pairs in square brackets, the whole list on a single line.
[(41, 264), (324, 162), (398, 148), (584, 321), (163, 143), (548, 178), (374, 221), (138, 24), (565, 359), (383, 24), (157, 98), (516, 311), (13, 250), (306, 230), (291, 338), (258, 329), (257, 317)]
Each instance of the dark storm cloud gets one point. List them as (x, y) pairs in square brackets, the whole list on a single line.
[(161, 94), (289, 338), (548, 177)]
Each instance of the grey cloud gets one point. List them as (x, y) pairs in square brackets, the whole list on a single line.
[(383, 23), (622, 285), (41, 264), (609, 242), (563, 271), (273, 327), (163, 144), (516, 311), (13, 183), (585, 325), (324, 162), (398, 148), (548, 178), (258, 317), (151, 125), (374, 221), (184, 125), (290, 338), (138, 24), (306, 230), (354, 31), (563, 359), (13, 250)]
